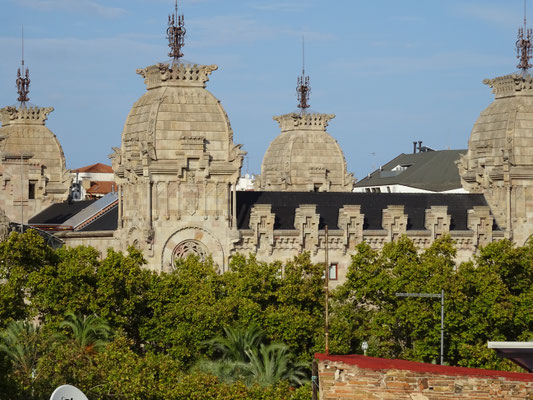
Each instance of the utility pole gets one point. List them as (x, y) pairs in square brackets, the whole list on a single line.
[(326, 289), (21, 193), (441, 296)]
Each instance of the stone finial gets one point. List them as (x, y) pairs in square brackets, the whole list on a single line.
[(24, 115), (524, 48), (23, 85), (438, 221), (351, 222), (480, 221), (262, 223), (293, 121), (306, 221), (394, 221), (180, 75), (176, 34)]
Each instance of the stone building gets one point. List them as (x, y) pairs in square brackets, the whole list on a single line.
[(33, 174), (499, 161), (177, 170)]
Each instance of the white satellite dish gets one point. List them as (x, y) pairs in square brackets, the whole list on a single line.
[(68, 392)]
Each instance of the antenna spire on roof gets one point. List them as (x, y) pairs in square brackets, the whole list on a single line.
[(23, 79), (304, 88), (176, 34), (524, 47)]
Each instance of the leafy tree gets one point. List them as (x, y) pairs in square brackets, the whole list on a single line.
[(286, 300), (186, 308), (482, 301), (20, 255), (121, 292), (66, 286)]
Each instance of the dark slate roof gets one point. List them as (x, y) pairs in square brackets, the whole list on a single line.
[(59, 212), (328, 204), (106, 222), (433, 170)]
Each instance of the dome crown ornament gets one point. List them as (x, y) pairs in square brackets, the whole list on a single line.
[(23, 79), (176, 34), (303, 89), (524, 47)]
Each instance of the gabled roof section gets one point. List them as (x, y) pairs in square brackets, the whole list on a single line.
[(58, 213), (432, 170), (95, 168), (102, 187), (86, 215), (284, 205)]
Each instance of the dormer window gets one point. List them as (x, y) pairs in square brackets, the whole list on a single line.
[(401, 167)]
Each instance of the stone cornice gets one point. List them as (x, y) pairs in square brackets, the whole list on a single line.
[(511, 85), (295, 121), (24, 115), (180, 75)]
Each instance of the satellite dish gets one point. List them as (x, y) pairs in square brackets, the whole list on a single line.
[(68, 392)]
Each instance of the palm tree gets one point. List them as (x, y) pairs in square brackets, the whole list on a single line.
[(20, 341), (236, 342), (273, 363), (245, 357), (90, 333)]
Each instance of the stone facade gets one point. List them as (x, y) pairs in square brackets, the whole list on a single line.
[(304, 157), (177, 169), (499, 161), (360, 377), (32, 165), (270, 244)]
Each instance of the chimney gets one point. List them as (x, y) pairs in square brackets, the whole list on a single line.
[(414, 147), (419, 146)]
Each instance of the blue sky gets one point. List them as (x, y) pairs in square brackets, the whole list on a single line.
[(392, 71)]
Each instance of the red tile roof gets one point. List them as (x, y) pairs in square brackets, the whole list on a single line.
[(102, 187), (98, 167), (385, 363)]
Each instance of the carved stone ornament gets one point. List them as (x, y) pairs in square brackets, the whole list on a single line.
[(4, 225), (314, 121), (188, 248), (25, 115)]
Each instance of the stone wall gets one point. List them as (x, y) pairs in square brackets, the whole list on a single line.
[(360, 377), (100, 240)]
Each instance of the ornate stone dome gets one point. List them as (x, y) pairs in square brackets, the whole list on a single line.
[(23, 132), (177, 115), (499, 161), (304, 157)]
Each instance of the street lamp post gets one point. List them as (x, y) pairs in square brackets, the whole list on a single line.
[(438, 295)]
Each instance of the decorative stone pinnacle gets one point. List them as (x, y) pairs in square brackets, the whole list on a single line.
[(23, 85), (176, 34), (524, 48), (303, 90), (23, 78)]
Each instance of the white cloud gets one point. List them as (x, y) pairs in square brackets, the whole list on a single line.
[(502, 15), (75, 6), (280, 6), (231, 29), (447, 61)]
